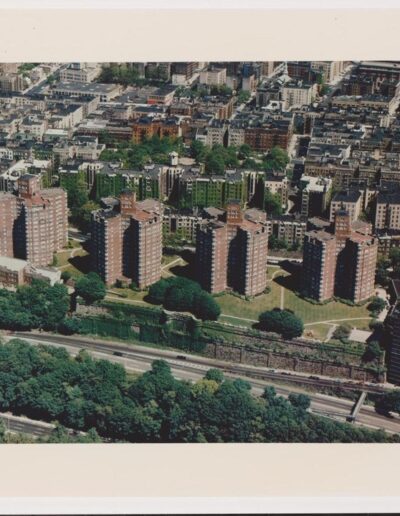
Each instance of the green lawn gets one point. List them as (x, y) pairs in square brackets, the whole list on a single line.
[(309, 312), (78, 265), (126, 295), (243, 313), (317, 331)]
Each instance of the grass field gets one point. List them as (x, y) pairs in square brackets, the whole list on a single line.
[(75, 260), (238, 311), (309, 312), (318, 331), (126, 294)]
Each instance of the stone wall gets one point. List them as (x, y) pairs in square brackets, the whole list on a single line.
[(278, 360)]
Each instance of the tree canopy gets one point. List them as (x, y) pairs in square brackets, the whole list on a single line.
[(284, 322), (98, 397), (183, 295), (90, 287), (38, 305)]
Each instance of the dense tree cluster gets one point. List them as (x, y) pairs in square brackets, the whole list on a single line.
[(90, 287), (388, 402), (272, 203), (82, 393), (276, 243), (216, 159), (284, 322), (38, 305), (388, 268), (127, 74), (183, 295), (136, 156), (275, 159)]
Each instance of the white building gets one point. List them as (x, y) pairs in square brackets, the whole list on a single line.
[(216, 77), (298, 94), (80, 72)]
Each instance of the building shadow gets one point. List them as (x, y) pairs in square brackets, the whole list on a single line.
[(82, 263), (291, 281), (188, 270)]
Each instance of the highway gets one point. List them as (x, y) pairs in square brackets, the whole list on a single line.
[(24, 425), (138, 359)]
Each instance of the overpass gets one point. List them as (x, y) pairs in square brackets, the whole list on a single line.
[(357, 407)]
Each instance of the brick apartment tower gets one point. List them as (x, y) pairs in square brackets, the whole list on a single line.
[(128, 243), (34, 224), (8, 216), (212, 256), (232, 253), (106, 245), (319, 265), (340, 262), (392, 324)]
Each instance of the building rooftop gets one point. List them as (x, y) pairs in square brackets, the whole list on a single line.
[(13, 264), (347, 196), (88, 88)]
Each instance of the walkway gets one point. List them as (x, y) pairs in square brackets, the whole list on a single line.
[(71, 255)]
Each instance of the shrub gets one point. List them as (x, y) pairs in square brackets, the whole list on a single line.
[(66, 276), (342, 332), (373, 351), (376, 305)]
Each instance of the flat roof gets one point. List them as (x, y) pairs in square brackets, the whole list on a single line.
[(92, 87), (13, 264)]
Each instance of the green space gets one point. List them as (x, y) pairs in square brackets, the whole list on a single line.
[(232, 305), (98, 397), (239, 311), (77, 265), (126, 295), (317, 331)]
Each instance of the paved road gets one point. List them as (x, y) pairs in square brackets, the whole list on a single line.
[(24, 425), (139, 358)]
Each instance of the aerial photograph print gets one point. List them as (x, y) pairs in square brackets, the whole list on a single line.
[(200, 252)]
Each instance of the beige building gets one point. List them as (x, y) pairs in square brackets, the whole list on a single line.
[(298, 94), (387, 211), (331, 70), (80, 72), (15, 273), (350, 200), (215, 77)]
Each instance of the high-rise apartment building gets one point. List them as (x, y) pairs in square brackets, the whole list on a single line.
[(339, 261), (106, 245), (392, 324), (212, 256), (319, 265), (127, 242), (8, 216), (387, 211), (33, 224), (232, 253)]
